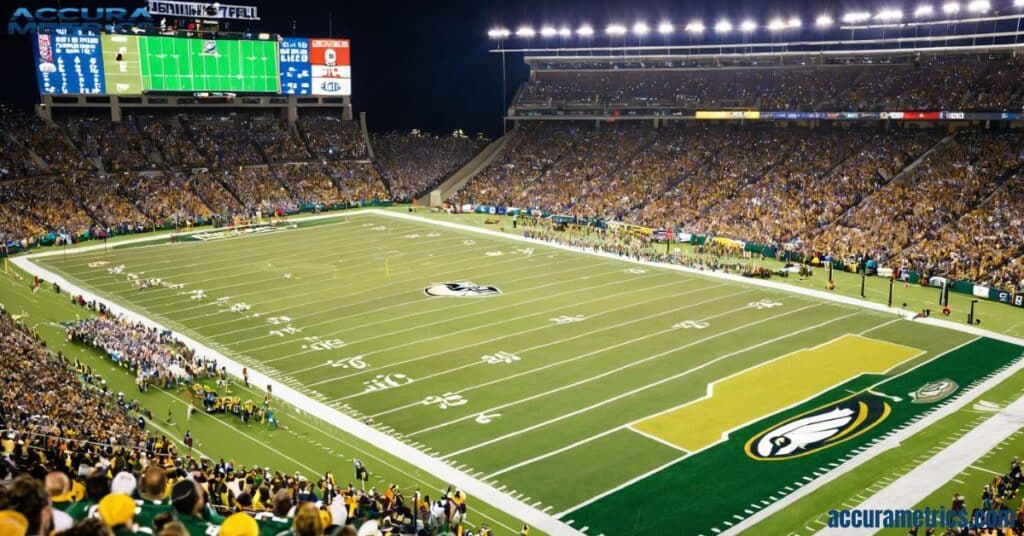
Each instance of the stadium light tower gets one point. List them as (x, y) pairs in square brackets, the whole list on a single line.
[(666, 28), (823, 21), (924, 10), (526, 32), (723, 26), (501, 34)]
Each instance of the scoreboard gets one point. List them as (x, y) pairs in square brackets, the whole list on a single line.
[(73, 62), (69, 62)]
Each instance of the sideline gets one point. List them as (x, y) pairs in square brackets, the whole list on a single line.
[(439, 469), (915, 486)]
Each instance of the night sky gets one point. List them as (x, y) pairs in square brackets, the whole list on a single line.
[(425, 64)]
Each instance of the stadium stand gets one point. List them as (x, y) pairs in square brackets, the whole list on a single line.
[(414, 163), (73, 454)]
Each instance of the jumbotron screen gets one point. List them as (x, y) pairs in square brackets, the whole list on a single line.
[(82, 62)]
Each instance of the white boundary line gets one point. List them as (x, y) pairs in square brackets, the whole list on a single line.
[(504, 502), (439, 469)]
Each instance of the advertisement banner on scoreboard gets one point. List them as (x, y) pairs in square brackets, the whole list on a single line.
[(68, 61), (331, 65), (296, 74), (206, 10)]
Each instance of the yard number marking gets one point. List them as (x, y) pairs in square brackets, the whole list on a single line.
[(445, 401), (691, 324), (764, 304), (499, 358)]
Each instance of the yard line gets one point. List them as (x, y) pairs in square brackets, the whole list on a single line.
[(292, 298), (997, 473), (581, 335), (449, 350), (658, 439), (497, 322), (629, 425), (648, 386), (174, 254), (391, 283), (672, 462), (235, 264), (607, 373), (434, 311)]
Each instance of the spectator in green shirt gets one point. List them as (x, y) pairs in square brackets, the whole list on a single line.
[(187, 500), (152, 496)]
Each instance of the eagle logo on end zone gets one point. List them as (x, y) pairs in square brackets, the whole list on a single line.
[(818, 429), (934, 391), (462, 289)]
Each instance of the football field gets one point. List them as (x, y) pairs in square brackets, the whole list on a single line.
[(172, 64), (585, 387)]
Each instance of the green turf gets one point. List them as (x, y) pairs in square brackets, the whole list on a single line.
[(558, 400), (302, 444), (180, 64)]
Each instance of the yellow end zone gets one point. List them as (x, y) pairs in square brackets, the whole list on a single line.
[(770, 387)]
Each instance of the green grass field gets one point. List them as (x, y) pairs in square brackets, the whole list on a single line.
[(587, 388), (176, 64)]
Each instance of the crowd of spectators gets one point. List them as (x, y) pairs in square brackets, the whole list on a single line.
[(77, 459), (330, 137), (849, 193), (972, 82), (413, 163)]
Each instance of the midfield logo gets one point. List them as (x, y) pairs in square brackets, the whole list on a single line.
[(463, 289)]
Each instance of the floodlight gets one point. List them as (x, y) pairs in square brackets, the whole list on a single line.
[(854, 17), (979, 6), (776, 25), (794, 22), (889, 14), (723, 26), (498, 33), (695, 27), (641, 28), (615, 29), (823, 21), (1018, 3), (585, 31), (951, 8), (924, 10), (748, 26), (666, 27), (548, 31), (525, 31), (564, 31)]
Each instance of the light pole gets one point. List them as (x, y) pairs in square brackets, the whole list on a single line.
[(500, 34)]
